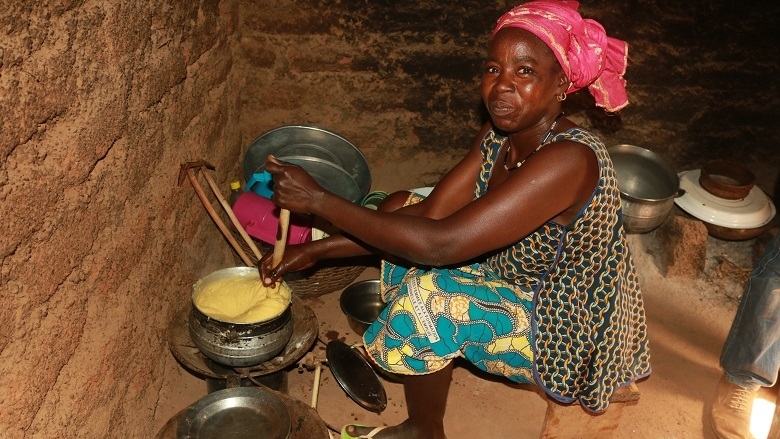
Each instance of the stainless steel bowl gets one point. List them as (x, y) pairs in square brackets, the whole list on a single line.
[(315, 143), (361, 302), (647, 186)]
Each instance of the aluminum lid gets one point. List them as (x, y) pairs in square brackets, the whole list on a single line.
[(755, 210), (356, 376)]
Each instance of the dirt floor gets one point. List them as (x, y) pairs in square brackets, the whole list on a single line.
[(688, 320), (688, 316)]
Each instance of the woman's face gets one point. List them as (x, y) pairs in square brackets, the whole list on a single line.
[(520, 80)]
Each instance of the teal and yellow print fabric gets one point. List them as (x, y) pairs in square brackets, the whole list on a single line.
[(434, 315)]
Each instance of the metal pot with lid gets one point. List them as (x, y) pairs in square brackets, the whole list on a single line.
[(723, 195), (238, 344)]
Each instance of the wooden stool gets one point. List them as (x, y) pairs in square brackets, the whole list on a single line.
[(571, 421)]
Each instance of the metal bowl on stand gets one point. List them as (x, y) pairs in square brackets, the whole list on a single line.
[(648, 187)]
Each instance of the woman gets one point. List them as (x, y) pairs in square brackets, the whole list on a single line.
[(517, 260)]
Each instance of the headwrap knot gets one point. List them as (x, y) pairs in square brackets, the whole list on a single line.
[(588, 56)]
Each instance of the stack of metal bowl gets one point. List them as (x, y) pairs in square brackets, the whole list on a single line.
[(335, 163), (724, 196)]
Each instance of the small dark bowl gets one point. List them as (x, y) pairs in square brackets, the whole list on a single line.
[(361, 302), (727, 180)]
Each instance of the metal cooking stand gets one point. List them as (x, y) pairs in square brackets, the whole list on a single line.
[(306, 421)]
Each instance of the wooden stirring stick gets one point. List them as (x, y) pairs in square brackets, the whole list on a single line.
[(188, 171), (232, 216), (281, 236)]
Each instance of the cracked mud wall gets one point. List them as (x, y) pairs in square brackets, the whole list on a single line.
[(400, 80), (99, 104)]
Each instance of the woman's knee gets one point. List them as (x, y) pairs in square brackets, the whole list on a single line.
[(394, 201)]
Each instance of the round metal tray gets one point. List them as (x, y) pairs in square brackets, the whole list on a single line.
[(236, 413), (306, 423), (312, 142), (331, 177)]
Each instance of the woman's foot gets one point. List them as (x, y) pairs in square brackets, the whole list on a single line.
[(353, 431)]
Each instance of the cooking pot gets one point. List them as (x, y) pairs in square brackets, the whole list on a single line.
[(728, 234), (648, 187), (238, 344)]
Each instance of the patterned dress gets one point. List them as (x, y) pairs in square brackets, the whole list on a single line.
[(561, 308)]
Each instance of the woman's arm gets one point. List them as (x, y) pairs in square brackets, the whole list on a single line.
[(449, 227), (452, 192)]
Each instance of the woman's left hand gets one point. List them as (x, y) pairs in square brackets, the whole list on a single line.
[(296, 257), (294, 189)]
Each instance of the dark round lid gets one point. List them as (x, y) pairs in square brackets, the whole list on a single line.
[(356, 376)]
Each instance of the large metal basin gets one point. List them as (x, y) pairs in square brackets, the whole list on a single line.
[(311, 146)]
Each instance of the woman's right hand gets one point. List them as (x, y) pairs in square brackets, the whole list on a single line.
[(296, 257), (294, 188)]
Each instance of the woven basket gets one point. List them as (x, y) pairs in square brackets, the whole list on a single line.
[(323, 278)]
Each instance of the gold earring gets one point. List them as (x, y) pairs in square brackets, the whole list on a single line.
[(561, 97)]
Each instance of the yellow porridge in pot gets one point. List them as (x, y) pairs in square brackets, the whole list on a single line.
[(242, 300)]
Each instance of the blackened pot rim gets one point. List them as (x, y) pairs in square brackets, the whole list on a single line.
[(242, 329)]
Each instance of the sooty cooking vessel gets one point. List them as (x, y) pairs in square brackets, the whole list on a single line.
[(238, 344)]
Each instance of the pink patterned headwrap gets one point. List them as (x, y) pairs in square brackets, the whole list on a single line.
[(588, 56)]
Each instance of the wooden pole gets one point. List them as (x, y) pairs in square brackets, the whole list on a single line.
[(232, 216)]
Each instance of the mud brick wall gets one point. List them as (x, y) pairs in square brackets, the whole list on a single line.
[(401, 80), (99, 104)]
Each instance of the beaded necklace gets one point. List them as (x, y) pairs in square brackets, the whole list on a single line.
[(546, 138)]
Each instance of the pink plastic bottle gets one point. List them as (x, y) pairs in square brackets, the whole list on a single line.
[(260, 218)]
